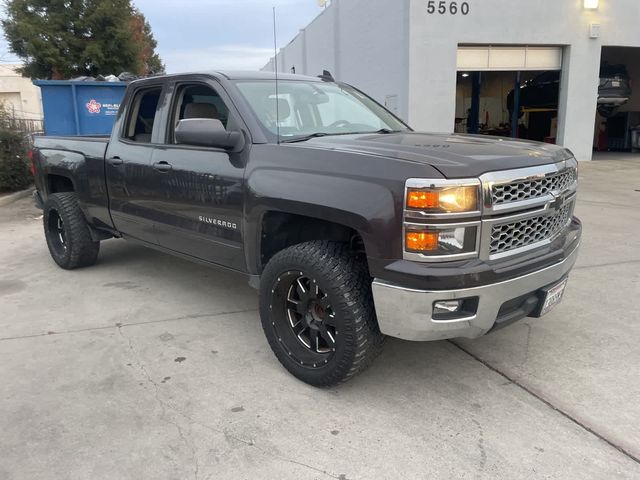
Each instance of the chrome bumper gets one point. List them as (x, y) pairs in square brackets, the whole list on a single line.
[(407, 313), (612, 100)]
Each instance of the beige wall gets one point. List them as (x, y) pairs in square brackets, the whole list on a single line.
[(19, 94)]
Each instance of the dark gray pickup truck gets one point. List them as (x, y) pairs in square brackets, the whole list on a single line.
[(351, 225)]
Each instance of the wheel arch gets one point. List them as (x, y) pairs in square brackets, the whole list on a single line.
[(279, 229), (59, 183), (337, 202)]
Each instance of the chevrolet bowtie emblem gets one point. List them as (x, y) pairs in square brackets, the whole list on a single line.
[(557, 203)]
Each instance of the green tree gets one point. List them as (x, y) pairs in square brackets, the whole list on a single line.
[(66, 38), (149, 60)]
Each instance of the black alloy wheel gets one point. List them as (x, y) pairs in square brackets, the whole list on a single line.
[(56, 232), (303, 311)]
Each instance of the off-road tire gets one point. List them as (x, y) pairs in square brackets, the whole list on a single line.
[(73, 247), (343, 279)]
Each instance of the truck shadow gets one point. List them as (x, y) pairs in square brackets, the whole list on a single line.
[(409, 366), (121, 254)]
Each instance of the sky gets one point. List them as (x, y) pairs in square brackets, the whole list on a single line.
[(218, 34)]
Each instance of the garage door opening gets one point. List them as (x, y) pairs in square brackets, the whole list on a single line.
[(508, 91), (508, 104), (617, 124)]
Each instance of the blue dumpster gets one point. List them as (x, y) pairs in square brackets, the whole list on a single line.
[(80, 108)]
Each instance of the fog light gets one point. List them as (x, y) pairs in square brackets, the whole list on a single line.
[(447, 306)]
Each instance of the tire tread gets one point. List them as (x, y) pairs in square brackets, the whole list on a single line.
[(83, 250)]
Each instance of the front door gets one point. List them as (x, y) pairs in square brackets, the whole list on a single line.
[(128, 167), (198, 196)]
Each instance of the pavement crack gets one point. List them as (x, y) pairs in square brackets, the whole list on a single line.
[(607, 204), (253, 444), (527, 345), (129, 324), (540, 398), (483, 451), (163, 405), (600, 265)]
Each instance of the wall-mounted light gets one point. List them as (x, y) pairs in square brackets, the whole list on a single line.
[(591, 4), (465, 75)]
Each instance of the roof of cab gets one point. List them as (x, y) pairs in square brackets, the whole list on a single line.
[(242, 75), (251, 75), (237, 75)]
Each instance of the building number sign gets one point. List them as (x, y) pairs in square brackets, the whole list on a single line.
[(442, 7)]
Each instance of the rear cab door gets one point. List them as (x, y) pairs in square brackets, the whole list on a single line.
[(128, 169), (198, 192)]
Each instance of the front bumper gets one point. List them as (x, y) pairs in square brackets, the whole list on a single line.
[(612, 100), (408, 313)]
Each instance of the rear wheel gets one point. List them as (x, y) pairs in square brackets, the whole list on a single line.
[(317, 312), (67, 232)]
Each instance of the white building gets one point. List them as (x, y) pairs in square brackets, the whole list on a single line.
[(19, 95), (419, 56)]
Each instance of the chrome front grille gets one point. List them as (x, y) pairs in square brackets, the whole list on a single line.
[(530, 231), (533, 188)]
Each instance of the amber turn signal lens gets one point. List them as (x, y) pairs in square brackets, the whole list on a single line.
[(422, 199), (422, 241)]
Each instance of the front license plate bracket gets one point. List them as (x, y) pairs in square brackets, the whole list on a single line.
[(550, 296)]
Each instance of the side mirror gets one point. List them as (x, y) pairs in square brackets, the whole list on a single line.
[(207, 132)]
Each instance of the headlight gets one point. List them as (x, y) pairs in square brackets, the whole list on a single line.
[(442, 219), (444, 199), (441, 240)]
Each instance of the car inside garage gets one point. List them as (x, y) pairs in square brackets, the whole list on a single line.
[(617, 119)]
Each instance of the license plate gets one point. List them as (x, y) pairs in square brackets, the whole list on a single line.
[(553, 297), (615, 84)]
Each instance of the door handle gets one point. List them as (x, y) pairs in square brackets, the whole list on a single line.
[(115, 161), (162, 166)]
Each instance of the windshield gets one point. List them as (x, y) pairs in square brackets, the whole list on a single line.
[(315, 108)]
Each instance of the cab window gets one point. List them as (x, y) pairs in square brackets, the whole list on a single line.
[(142, 115), (198, 101)]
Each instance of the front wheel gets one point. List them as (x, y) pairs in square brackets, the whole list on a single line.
[(317, 312), (67, 232)]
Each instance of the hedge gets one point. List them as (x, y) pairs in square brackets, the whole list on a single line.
[(14, 165)]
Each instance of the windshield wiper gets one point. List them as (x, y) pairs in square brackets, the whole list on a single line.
[(307, 137), (381, 131), (325, 134)]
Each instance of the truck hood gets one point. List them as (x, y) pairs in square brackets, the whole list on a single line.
[(454, 155)]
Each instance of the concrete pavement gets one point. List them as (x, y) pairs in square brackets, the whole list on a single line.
[(147, 366)]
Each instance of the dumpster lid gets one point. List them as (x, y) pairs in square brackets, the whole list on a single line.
[(46, 83)]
